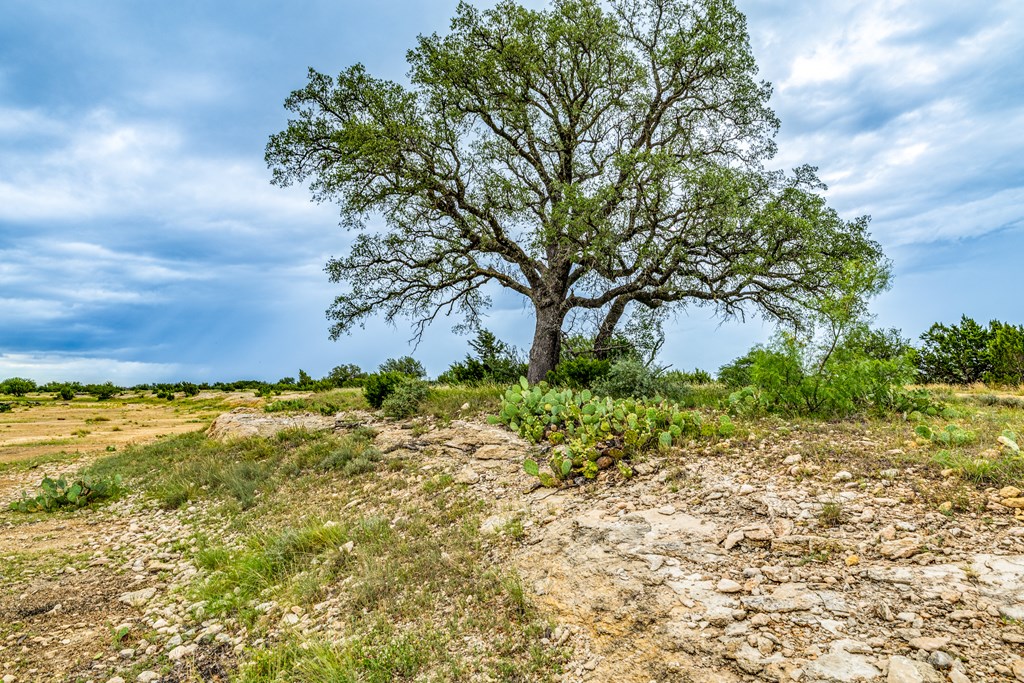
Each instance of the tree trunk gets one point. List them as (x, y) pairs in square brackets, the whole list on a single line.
[(603, 340), (547, 343)]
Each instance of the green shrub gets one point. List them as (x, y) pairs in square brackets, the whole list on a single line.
[(66, 393), (189, 389), (380, 385), (736, 374), (630, 378), (61, 493), (405, 400), (679, 377), (579, 372), (1006, 354), (348, 375), (793, 376), (102, 392), (494, 362), (957, 354)]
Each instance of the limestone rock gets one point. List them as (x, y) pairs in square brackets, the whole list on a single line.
[(1008, 443), (242, 423), (492, 452), (901, 548), (181, 652), (842, 667), (467, 475), (138, 598), (929, 644), (906, 670)]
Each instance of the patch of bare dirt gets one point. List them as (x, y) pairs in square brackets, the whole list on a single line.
[(45, 428)]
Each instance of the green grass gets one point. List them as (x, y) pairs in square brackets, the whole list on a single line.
[(445, 402), (187, 467), (1000, 470), (35, 461), (327, 403), (417, 588), (382, 655)]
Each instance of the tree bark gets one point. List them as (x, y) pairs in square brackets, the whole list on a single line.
[(547, 342), (603, 340)]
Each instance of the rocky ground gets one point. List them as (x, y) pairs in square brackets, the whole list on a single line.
[(805, 552)]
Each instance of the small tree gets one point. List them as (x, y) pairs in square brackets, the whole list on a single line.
[(596, 157), (406, 365), (344, 375), (1006, 354), (17, 386), (493, 361), (957, 354)]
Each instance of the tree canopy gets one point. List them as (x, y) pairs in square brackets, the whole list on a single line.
[(604, 158)]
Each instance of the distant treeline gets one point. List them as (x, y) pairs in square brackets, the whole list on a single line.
[(962, 353), (341, 376)]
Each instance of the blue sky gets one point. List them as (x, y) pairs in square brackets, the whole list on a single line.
[(140, 239)]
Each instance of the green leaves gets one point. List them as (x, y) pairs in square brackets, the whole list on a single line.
[(619, 145)]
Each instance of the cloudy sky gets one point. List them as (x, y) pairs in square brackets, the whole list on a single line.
[(140, 239)]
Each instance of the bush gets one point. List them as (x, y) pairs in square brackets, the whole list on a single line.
[(966, 353), (957, 354), (793, 376), (354, 454), (66, 393), (697, 377), (189, 389), (1006, 354), (102, 392), (405, 400), (737, 373), (630, 378), (406, 365), (580, 372), (380, 385)]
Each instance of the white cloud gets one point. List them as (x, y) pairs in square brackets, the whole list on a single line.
[(904, 107), (48, 367), (103, 166)]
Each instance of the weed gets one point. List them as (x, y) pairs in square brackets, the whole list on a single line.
[(447, 403), (997, 470), (832, 514)]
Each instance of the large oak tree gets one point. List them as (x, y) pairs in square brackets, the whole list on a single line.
[(597, 156)]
